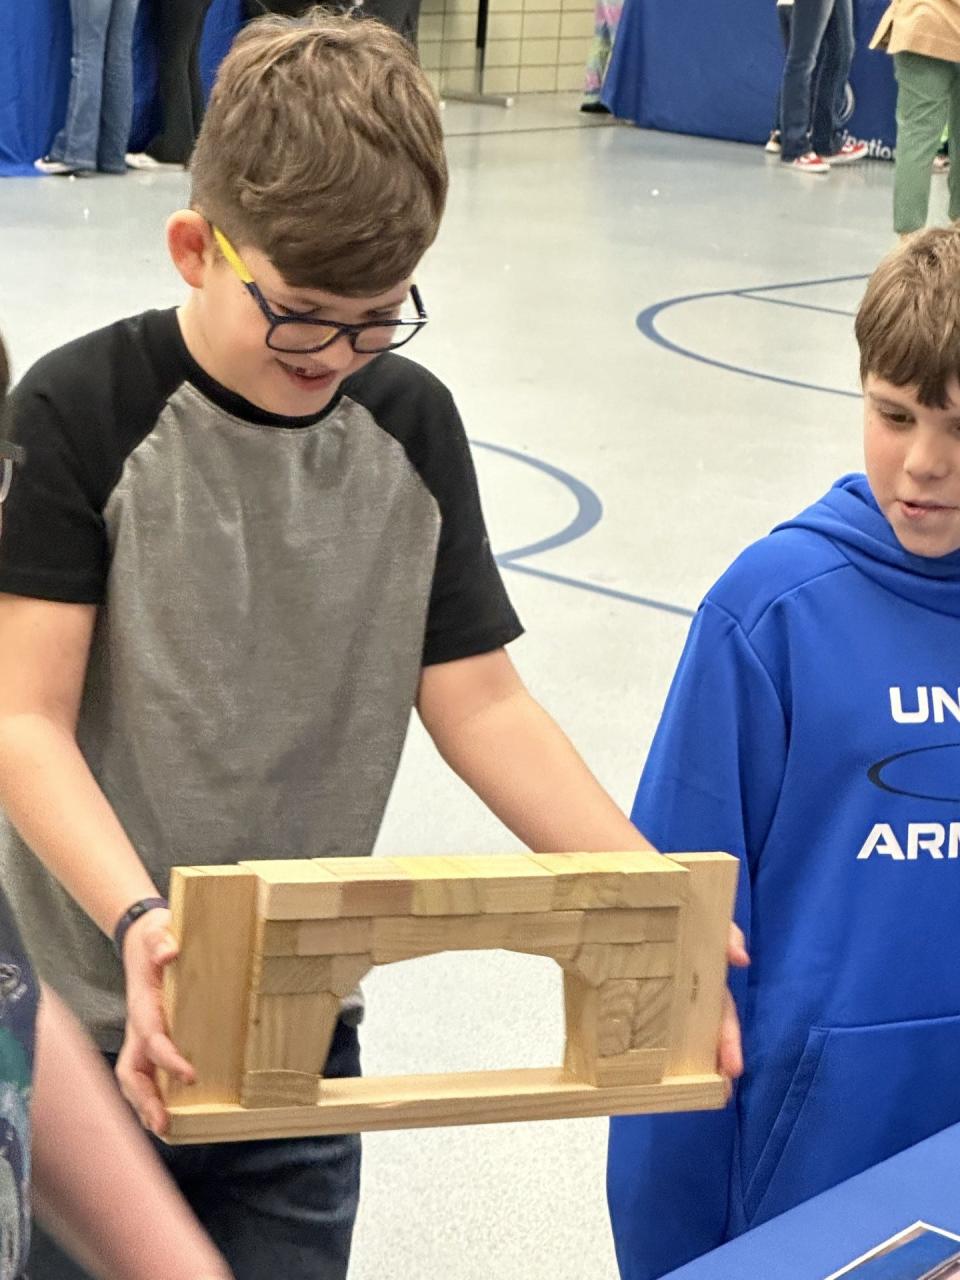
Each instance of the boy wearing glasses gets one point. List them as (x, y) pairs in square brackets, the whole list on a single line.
[(246, 541)]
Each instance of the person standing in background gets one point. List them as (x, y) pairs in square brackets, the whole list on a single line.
[(924, 38), (813, 92), (179, 30), (100, 106), (606, 20)]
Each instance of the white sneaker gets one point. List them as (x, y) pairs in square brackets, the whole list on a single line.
[(140, 160), (773, 147), (810, 163), (53, 167)]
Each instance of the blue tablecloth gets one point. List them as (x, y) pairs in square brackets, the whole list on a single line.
[(713, 68), (826, 1233), (35, 73)]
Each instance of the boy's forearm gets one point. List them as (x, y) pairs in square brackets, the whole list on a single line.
[(49, 794), (526, 770), (99, 1186)]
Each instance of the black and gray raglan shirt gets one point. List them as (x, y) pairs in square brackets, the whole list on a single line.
[(268, 589)]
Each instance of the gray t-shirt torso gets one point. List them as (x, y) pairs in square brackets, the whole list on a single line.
[(269, 590)]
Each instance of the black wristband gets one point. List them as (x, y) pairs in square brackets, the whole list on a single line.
[(131, 915)]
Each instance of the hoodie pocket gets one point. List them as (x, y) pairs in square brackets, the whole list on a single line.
[(858, 1096)]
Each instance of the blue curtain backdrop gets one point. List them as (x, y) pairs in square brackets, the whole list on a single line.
[(709, 68), (35, 73)]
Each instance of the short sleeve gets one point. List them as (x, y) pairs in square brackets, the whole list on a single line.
[(52, 536)]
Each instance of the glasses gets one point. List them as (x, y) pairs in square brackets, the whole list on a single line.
[(303, 335)]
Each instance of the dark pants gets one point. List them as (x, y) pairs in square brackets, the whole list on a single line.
[(813, 92), (179, 28), (401, 15), (279, 1210)]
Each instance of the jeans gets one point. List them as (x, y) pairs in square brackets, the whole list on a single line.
[(928, 97), (277, 1210), (179, 29), (815, 76), (100, 107)]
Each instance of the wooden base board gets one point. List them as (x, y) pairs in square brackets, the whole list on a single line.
[(418, 1102)]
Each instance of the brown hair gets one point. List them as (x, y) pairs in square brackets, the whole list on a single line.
[(908, 325), (322, 147)]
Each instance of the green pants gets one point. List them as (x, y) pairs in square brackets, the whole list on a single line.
[(928, 98)]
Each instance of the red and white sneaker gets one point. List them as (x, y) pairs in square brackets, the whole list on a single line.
[(810, 163), (850, 152)]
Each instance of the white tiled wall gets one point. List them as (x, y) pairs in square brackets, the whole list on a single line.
[(533, 46)]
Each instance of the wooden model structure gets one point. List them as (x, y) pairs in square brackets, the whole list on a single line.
[(269, 949)]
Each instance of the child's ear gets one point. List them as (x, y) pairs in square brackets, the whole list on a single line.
[(190, 243)]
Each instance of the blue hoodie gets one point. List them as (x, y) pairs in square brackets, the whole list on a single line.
[(813, 730)]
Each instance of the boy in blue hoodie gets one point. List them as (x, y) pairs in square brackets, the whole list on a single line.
[(813, 729)]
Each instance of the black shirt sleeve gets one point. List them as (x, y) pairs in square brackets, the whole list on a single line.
[(52, 537), (470, 612), (76, 416)]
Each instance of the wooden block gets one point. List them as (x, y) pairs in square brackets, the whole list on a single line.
[(512, 883), (580, 1005), (408, 936), (650, 879), (600, 881), (658, 924), (316, 937), (639, 1066), (291, 1033), (615, 1034), (615, 1009), (441, 887), (206, 988), (650, 1026), (303, 975), (279, 1089), (416, 1102), (702, 972), (597, 962), (633, 1015), (296, 889), (371, 886)]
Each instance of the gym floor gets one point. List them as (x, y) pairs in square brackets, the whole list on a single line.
[(650, 339)]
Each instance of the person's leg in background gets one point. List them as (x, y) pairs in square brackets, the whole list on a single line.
[(116, 111), (74, 149), (179, 25), (953, 130), (809, 23), (830, 89), (606, 18), (924, 88), (785, 19)]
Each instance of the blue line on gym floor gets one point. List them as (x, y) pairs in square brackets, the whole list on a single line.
[(588, 515), (589, 511), (788, 302), (648, 318)]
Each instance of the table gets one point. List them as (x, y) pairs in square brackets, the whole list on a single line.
[(829, 1231)]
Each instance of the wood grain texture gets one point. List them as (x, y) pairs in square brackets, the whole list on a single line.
[(206, 990), (416, 1102)]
